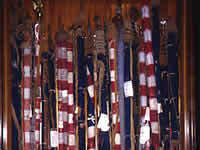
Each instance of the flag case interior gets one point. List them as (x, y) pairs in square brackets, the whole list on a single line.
[(89, 74)]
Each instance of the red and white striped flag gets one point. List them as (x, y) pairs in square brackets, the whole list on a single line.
[(62, 90), (37, 81), (114, 97), (26, 91), (151, 81)]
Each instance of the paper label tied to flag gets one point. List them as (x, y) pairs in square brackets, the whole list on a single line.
[(128, 89), (144, 134), (54, 138), (103, 123)]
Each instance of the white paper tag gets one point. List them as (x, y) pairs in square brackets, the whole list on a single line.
[(159, 108), (147, 114), (144, 134), (54, 138), (103, 123), (128, 89)]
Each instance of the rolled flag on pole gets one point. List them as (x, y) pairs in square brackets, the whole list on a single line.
[(26, 88), (91, 118), (62, 85), (37, 83), (70, 107), (144, 131), (114, 97), (82, 76), (151, 81)]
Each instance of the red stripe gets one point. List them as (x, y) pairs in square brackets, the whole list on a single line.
[(27, 82), (62, 85), (27, 60), (115, 107), (71, 128), (70, 109), (27, 125), (117, 147), (61, 43), (143, 111), (91, 143), (118, 127), (71, 147), (142, 67), (27, 146), (113, 86), (61, 63), (26, 104)]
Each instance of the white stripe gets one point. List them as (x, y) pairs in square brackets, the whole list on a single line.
[(112, 53), (27, 137), (145, 12), (114, 118), (27, 71), (60, 124), (153, 104), (88, 72), (65, 138), (147, 114), (147, 36), (37, 48), (142, 79), (62, 74), (71, 139), (151, 80), (113, 97), (40, 133), (62, 93), (27, 94), (70, 99), (27, 51), (112, 75), (60, 138), (159, 108), (41, 107), (37, 32), (91, 90), (149, 60), (143, 101), (69, 56), (37, 116), (60, 115), (70, 118), (70, 77), (65, 100), (37, 110), (91, 131), (65, 116), (61, 52), (117, 139), (37, 135), (26, 114), (141, 57), (155, 127)]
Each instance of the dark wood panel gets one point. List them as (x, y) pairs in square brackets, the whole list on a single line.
[(1, 68), (7, 126)]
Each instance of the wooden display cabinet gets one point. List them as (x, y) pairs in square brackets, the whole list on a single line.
[(180, 9)]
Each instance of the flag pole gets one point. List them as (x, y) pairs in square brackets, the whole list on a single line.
[(132, 101)]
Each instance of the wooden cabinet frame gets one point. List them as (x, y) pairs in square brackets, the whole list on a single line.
[(186, 65)]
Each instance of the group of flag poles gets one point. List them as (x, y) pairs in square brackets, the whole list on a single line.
[(67, 88)]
